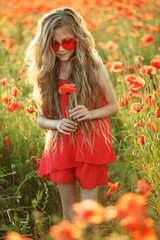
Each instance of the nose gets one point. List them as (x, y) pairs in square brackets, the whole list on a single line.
[(60, 47)]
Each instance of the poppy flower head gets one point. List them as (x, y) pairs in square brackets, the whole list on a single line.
[(67, 89)]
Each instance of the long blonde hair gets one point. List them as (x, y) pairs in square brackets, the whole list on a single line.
[(44, 71)]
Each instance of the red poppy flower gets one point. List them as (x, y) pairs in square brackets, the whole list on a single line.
[(136, 107), (146, 231), (65, 230), (138, 25), (107, 194), (111, 46), (147, 39), (122, 33), (134, 92), (131, 204), (112, 18), (117, 67), (141, 139), (35, 161), (131, 223), (8, 151), (6, 43), (139, 58), (13, 106), (31, 150), (4, 81), (143, 187), (158, 111), (23, 73), (142, 122), (6, 101), (155, 63), (134, 34), (15, 235), (121, 104), (31, 109), (88, 211), (2, 127), (147, 70), (67, 89), (133, 80), (8, 141), (113, 187), (18, 62), (15, 91), (152, 126), (149, 99), (100, 45), (110, 29), (13, 49), (124, 101)]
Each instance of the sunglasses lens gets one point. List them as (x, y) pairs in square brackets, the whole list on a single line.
[(55, 46), (69, 44)]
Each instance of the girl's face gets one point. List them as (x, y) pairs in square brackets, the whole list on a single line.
[(62, 34)]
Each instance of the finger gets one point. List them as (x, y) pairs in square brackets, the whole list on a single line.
[(71, 126), (80, 115), (67, 133), (68, 129), (77, 108), (83, 118), (75, 113), (71, 122)]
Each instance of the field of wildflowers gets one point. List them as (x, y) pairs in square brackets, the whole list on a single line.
[(127, 37)]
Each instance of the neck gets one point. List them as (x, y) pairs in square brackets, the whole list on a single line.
[(64, 70), (64, 66)]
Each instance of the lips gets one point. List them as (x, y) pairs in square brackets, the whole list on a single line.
[(63, 54)]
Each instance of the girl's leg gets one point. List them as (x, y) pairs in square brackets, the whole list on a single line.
[(68, 193), (91, 193)]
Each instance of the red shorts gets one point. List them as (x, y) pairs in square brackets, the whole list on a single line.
[(88, 175)]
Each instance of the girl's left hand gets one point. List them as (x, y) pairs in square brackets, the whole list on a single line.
[(80, 113)]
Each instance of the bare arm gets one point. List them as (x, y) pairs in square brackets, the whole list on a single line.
[(45, 122), (81, 113), (112, 106), (65, 126)]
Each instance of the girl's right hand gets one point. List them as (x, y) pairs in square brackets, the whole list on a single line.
[(66, 126)]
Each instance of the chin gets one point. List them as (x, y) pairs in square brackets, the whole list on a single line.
[(65, 58)]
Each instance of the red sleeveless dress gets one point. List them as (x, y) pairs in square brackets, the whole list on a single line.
[(72, 156)]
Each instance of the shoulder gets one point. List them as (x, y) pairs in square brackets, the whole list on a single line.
[(100, 65), (102, 73), (97, 60)]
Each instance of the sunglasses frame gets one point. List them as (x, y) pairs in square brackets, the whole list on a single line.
[(73, 43)]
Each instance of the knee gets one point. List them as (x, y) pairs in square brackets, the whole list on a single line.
[(67, 213), (89, 193)]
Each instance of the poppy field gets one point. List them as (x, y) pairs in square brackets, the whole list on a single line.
[(127, 37)]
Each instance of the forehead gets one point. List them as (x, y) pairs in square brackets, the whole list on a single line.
[(61, 33)]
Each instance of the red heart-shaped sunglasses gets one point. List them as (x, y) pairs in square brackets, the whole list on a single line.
[(67, 44)]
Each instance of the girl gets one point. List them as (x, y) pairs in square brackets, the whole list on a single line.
[(78, 141)]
